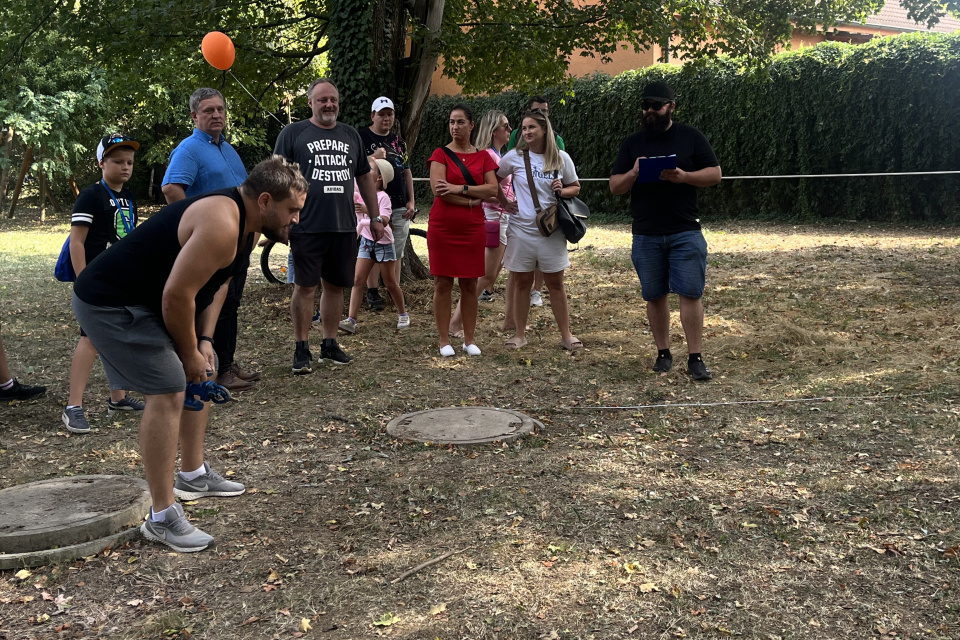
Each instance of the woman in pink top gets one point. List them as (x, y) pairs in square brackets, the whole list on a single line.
[(492, 134), (372, 253)]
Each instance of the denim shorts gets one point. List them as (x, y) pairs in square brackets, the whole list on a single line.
[(376, 252), (671, 264)]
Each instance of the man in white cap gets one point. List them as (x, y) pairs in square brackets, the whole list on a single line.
[(381, 142)]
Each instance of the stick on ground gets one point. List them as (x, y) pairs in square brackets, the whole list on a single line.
[(426, 564)]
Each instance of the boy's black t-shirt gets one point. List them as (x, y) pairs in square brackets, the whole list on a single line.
[(95, 209), (397, 156), (665, 208)]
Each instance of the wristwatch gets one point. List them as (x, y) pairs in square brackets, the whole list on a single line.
[(464, 189)]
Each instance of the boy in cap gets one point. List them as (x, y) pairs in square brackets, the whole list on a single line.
[(104, 213)]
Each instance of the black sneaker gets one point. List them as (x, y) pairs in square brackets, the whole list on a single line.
[(301, 361), (374, 301), (331, 351), (21, 391), (663, 364), (697, 370)]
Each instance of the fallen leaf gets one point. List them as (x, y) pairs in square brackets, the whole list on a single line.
[(305, 624), (274, 576), (386, 620), (647, 587), (23, 574), (250, 620), (438, 609), (135, 603)]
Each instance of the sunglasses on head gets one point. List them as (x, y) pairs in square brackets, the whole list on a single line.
[(115, 138), (656, 105)]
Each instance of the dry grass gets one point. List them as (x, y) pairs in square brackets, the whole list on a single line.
[(830, 519)]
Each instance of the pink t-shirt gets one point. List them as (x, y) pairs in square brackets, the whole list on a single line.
[(506, 184), (363, 220)]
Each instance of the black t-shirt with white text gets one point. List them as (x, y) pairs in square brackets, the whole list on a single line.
[(106, 224), (396, 150), (330, 160), (665, 208)]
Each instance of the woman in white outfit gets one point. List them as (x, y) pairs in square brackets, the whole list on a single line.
[(527, 249)]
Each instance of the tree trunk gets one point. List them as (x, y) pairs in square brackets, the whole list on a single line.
[(412, 267), (27, 159), (73, 187), (42, 197), (431, 11), (8, 156)]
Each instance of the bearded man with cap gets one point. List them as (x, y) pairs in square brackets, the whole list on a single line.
[(669, 250), (381, 142)]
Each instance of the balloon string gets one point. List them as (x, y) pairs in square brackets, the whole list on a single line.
[(251, 95)]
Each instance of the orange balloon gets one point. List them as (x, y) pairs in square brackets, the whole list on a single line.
[(218, 50)]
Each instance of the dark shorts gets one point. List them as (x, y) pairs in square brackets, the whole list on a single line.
[(671, 264), (331, 257), (134, 346)]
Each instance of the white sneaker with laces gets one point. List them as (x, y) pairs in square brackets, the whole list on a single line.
[(536, 300), (403, 321)]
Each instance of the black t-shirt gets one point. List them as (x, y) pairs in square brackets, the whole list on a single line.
[(397, 156), (330, 159), (665, 208), (106, 224), (134, 272)]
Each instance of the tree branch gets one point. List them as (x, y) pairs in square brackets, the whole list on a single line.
[(16, 52)]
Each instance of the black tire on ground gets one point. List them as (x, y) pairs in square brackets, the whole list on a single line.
[(273, 264)]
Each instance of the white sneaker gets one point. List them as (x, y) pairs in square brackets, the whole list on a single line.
[(536, 300), (403, 321), (471, 349), (349, 325), (447, 351)]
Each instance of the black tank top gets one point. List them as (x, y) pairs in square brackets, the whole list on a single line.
[(134, 271)]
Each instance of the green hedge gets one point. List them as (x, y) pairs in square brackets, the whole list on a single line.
[(887, 106)]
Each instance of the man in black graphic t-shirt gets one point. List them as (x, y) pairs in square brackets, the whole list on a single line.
[(669, 250), (324, 244)]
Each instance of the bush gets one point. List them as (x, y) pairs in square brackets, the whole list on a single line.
[(886, 106)]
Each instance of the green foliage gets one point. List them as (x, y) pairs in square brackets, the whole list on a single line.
[(351, 53), (886, 106)]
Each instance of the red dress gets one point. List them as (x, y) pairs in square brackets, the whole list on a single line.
[(457, 234)]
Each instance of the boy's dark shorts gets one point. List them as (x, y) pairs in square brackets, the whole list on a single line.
[(331, 257)]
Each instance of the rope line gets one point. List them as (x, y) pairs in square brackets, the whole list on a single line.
[(746, 402), (803, 175)]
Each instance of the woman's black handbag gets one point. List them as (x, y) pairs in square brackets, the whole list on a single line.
[(571, 213)]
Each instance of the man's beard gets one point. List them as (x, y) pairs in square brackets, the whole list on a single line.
[(281, 235), (656, 122)]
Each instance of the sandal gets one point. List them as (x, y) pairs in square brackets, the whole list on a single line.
[(571, 344), (457, 334), (516, 343)]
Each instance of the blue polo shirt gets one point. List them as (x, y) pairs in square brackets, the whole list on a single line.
[(203, 165)]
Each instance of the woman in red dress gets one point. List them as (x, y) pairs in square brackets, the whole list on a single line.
[(456, 233)]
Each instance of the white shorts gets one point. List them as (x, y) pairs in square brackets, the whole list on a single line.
[(528, 251)]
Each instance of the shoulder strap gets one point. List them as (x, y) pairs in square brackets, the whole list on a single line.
[(463, 168), (533, 189)]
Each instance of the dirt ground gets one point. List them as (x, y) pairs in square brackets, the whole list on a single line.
[(809, 491)]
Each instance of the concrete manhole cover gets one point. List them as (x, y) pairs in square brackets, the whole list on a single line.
[(462, 425), (65, 518)]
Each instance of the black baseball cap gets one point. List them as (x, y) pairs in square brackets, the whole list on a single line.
[(113, 141), (658, 91)]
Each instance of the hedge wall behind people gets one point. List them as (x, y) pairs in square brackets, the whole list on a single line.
[(891, 105)]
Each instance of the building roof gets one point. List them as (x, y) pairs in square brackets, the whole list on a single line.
[(894, 16)]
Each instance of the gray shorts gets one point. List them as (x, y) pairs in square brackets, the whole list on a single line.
[(136, 350), (401, 229)]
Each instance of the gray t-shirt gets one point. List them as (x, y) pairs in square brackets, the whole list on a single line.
[(330, 160)]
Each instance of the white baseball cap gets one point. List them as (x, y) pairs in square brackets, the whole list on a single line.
[(382, 102)]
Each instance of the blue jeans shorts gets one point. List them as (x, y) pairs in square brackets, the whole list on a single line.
[(671, 264), (380, 252)]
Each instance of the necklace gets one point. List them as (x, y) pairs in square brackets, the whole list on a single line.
[(469, 149)]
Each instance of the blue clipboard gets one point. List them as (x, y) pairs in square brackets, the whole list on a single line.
[(650, 168)]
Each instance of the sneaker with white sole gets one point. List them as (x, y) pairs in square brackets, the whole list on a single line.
[(403, 321), (74, 420), (125, 404), (485, 296), (330, 350), (349, 325), (536, 300), (210, 484), (178, 533)]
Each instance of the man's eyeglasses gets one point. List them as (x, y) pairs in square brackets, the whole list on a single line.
[(656, 105)]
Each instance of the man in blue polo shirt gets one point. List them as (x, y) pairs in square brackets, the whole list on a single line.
[(201, 163)]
